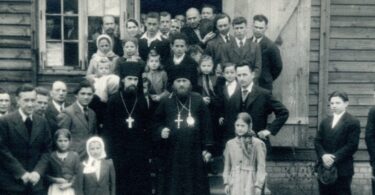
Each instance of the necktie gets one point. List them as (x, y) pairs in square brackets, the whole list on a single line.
[(226, 38), (241, 43), (244, 94), (29, 125), (209, 91), (86, 112), (255, 40), (61, 108)]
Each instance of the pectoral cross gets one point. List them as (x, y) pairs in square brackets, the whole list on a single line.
[(178, 120), (130, 121)]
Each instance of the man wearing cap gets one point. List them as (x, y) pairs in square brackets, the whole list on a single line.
[(185, 136), (125, 132)]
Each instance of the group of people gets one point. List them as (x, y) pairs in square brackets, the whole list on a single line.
[(167, 101)]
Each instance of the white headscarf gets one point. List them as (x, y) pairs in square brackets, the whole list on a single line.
[(92, 165)]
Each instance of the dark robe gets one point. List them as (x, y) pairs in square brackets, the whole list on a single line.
[(128, 147), (183, 169)]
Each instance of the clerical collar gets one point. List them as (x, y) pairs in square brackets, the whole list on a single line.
[(238, 41), (58, 106), (24, 115), (178, 60)]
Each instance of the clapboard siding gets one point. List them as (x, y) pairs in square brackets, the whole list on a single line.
[(15, 44)]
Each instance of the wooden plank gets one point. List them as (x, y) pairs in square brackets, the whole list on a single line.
[(15, 64), (351, 2), (15, 7), (315, 33), (19, 76), (15, 53), (354, 33), (14, 42), (314, 45), (15, 19), (314, 56), (315, 11), (314, 78), (353, 44), (343, 77), (315, 2), (15, 30), (352, 10), (314, 67), (313, 89), (351, 66), (352, 55), (364, 89), (315, 22), (352, 21)]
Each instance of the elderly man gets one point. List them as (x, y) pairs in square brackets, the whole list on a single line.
[(109, 27), (4, 102), (56, 105)]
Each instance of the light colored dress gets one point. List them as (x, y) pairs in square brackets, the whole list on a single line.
[(244, 172)]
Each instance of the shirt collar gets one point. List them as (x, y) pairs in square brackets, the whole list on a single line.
[(24, 116), (178, 60), (223, 37), (249, 87), (238, 41), (80, 106), (338, 115), (258, 40), (156, 37), (58, 106), (231, 83)]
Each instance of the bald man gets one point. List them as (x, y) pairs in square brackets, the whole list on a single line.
[(198, 31), (57, 104), (109, 27)]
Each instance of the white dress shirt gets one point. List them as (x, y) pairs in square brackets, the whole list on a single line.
[(231, 87), (178, 60), (238, 41), (336, 118)]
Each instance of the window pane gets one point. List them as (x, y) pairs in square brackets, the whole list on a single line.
[(71, 54), (53, 30), (54, 54), (53, 7), (71, 6), (71, 28)]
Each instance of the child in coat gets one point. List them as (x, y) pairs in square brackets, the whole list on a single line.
[(244, 160), (62, 166), (130, 47), (98, 173)]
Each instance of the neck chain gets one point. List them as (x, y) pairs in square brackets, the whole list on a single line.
[(129, 120), (189, 120)]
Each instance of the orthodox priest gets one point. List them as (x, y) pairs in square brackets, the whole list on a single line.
[(183, 129), (126, 134)]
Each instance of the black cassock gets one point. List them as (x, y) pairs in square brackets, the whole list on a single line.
[(129, 147), (183, 169)]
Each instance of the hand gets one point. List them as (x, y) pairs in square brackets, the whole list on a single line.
[(328, 160), (208, 37), (155, 98), (206, 100), (25, 177), (264, 134), (258, 191), (65, 186), (221, 120), (165, 133), (34, 178), (60, 180), (227, 189), (206, 156)]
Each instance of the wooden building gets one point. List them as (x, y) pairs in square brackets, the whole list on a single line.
[(327, 45)]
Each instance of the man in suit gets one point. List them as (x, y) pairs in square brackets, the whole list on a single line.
[(272, 63), (165, 24), (370, 141), (208, 12), (79, 118), (197, 31), (4, 102), (215, 46), (152, 39), (56, 105), (242, 48), (24, 138), (258, 102), (42, 97)]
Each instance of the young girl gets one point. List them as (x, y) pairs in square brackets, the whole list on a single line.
[(130, 46), (98, 173), (157, 77), (244, 160), (104, 45), (62, 166)]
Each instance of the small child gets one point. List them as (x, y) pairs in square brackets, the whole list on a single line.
[(244, 160), (195, 52), (98, 173), (157, 77), (104, 45), (130, 47), (63, 166), (207, 79)]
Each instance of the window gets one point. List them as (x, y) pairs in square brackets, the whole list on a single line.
[(68, 29)]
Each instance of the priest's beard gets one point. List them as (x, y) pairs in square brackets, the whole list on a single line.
[(131, 90), (182, 91)]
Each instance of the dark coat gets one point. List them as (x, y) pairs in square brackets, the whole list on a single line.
[(21, 153), (250, 52), (106, 184), (215, 46), (73, 119), (370, 135), (188, 66), (259, 104), (341, 141), (51, 117), (205, 27), (161, 46), (271, 63)]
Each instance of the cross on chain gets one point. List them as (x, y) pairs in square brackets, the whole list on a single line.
[(178, 121), (130, 121)]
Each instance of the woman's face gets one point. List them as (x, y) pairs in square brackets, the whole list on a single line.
[(241, 128), (130, 48), (104, 46), (95, 149), (338, 105), (132, 29)]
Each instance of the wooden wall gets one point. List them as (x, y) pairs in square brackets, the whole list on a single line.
[(16, 56)]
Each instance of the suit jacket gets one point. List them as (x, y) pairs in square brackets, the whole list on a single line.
[(51, 117), (341, 141), (205, 27), (73, 118), (215, 46), (250, 52), (106, 184), (271, 63), (161, 46), (21, 153), (259, 104), (370, 135)]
